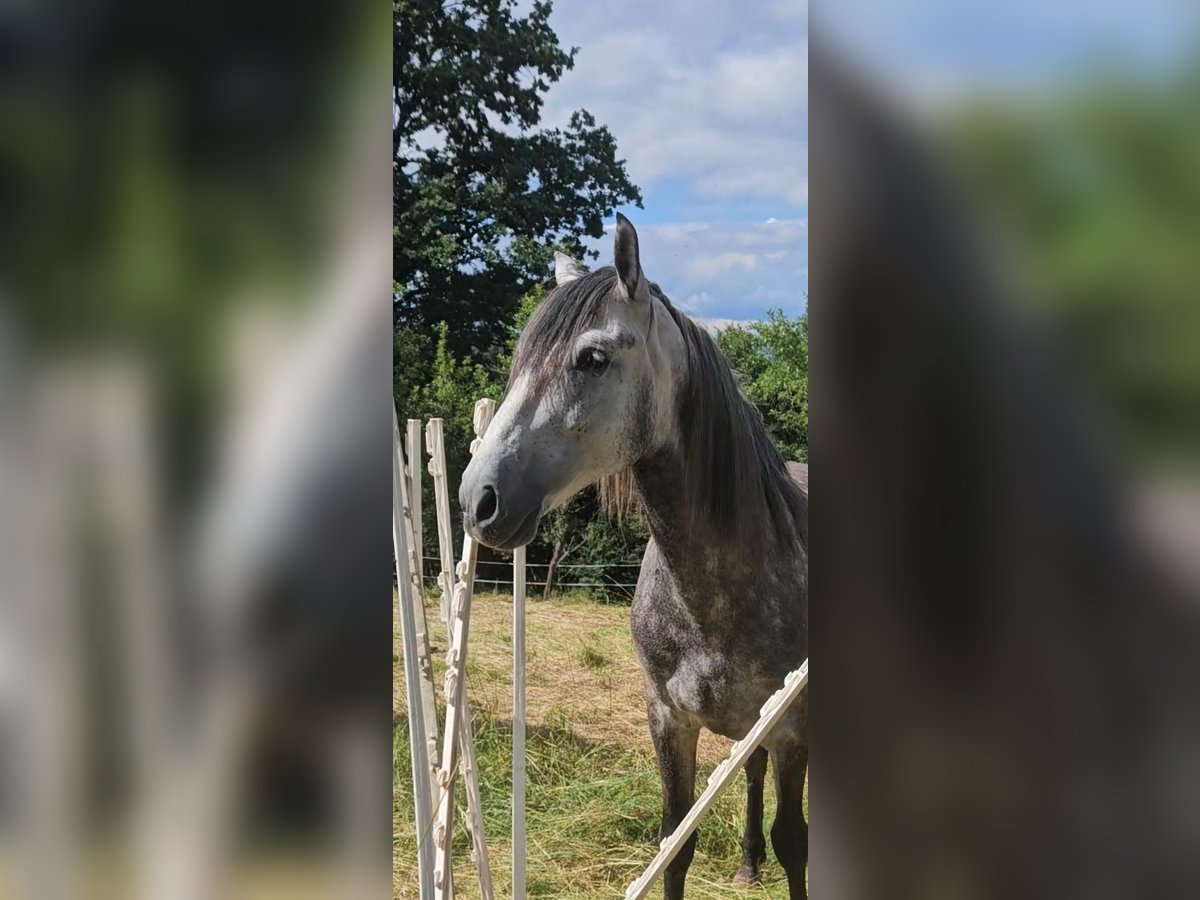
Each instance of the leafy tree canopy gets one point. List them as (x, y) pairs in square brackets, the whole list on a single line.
[(481, 195), (771, 359)]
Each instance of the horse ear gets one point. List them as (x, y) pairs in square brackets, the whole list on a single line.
[(566, 269), (627, 262)]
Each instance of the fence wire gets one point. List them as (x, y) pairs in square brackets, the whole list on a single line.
[(529, 565), (431, 578)]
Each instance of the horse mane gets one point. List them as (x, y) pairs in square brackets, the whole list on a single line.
[(736, 487), (735, 481)]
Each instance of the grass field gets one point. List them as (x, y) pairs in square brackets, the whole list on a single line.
[(593, 796)]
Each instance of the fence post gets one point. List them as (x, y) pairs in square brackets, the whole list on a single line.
[(422, 788), (484, 410), (458, 722), (413, 455), (424, 654), (518, 734), (435, 443)]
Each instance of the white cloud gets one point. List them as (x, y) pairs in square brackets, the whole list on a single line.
[(711, 94), (708, 102), (724, 269), (722, 264), (762, 87), (712, 326), (788, 183)]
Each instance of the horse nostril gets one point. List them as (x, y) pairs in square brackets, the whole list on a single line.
[(485, 509)]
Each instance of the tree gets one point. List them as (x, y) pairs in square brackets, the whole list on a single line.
[(771, 360), (481, 197)]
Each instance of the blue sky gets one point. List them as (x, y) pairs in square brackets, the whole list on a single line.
[(708, 100), (938, 50)]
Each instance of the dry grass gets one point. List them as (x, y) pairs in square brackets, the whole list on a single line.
[(593, 795)]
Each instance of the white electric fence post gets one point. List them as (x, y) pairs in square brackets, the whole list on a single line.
[(413, 455), (435, 443), (772, 711), (424, 654), (422, 788), (458, 722), (482, 418), (518, 734), (435, 446)]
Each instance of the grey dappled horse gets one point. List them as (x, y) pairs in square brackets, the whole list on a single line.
[(612, 384)]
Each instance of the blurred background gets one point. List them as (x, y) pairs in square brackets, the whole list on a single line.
[(196, 580), (194, 620), (1070, 131), (1005, 386)]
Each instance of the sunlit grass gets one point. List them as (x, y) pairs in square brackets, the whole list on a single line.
[(593, 792)]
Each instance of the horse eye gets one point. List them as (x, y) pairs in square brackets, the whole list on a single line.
[(592, 360)]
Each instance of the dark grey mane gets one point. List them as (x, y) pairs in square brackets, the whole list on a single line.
[(738, 490), (738, 484)]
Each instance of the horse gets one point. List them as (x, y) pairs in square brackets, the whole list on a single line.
[(611, 384)]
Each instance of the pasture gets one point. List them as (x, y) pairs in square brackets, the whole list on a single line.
[(594, 799)]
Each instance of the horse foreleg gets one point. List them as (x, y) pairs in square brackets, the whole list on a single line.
[(789, 833), (675, 746), (754, 844)]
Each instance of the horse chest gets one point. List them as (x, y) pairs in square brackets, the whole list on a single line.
[(708, 689), (700, 675)]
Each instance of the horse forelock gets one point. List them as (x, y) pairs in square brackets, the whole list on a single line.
[(569, 310)]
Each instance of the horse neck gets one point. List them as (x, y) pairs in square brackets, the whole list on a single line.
[(711, 555), (690, 550)]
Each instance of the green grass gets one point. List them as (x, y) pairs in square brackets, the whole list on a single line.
[(593, 796), (592, 658)]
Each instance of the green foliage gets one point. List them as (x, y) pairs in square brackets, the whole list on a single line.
[(529, 302), (481, 197), (455, 385), (446, 389), (1096, 191), (771, 360), (588, 536), (410, 350)]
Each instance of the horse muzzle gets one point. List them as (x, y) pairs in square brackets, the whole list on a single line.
[(502, 517)]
